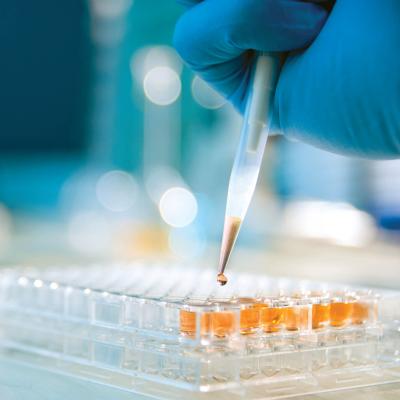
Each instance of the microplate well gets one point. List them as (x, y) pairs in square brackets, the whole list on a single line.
[(172, 328)]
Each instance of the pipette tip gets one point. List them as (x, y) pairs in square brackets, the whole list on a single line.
[(231, 231)]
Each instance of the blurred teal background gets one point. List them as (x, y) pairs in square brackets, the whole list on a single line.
[(110, 147)]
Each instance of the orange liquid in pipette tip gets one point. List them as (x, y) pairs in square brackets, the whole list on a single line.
[(231, 231)]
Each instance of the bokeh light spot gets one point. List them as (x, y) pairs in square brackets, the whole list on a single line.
[(162, 86), (178, 207), (205, 95), (116, 191)]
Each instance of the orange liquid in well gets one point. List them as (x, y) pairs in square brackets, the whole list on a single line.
[(187, 322), (320, 315), (205, 323), (360, 313), (222, 323), (250, 318), (340, 314), (296, 318), (272, 318), (218, 323)]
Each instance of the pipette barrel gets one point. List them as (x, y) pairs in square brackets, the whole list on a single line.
[(253, 138)]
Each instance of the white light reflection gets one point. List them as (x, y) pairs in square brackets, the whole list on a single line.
[(178, 207), (205, 95), (339, 223), (22, 281), (37, 283), (162, 86), (116, 191)]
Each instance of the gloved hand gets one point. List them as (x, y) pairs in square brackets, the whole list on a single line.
[(341, 93)]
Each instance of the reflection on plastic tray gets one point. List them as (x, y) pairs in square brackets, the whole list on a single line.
[(173, 326)]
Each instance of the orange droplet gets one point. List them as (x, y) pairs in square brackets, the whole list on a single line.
[(222, 279)]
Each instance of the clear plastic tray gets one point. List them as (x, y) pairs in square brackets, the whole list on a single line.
[(173, 326)]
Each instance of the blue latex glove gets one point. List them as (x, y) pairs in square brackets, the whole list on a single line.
[(342, 93)]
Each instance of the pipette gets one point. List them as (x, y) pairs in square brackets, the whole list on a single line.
[(248, 159)]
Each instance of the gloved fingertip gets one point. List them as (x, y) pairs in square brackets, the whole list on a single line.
[(179, 39), (190, 38)]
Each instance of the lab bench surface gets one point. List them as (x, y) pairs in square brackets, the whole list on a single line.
[(24, 382)]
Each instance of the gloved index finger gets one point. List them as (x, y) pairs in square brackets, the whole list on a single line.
[(214, 37)]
